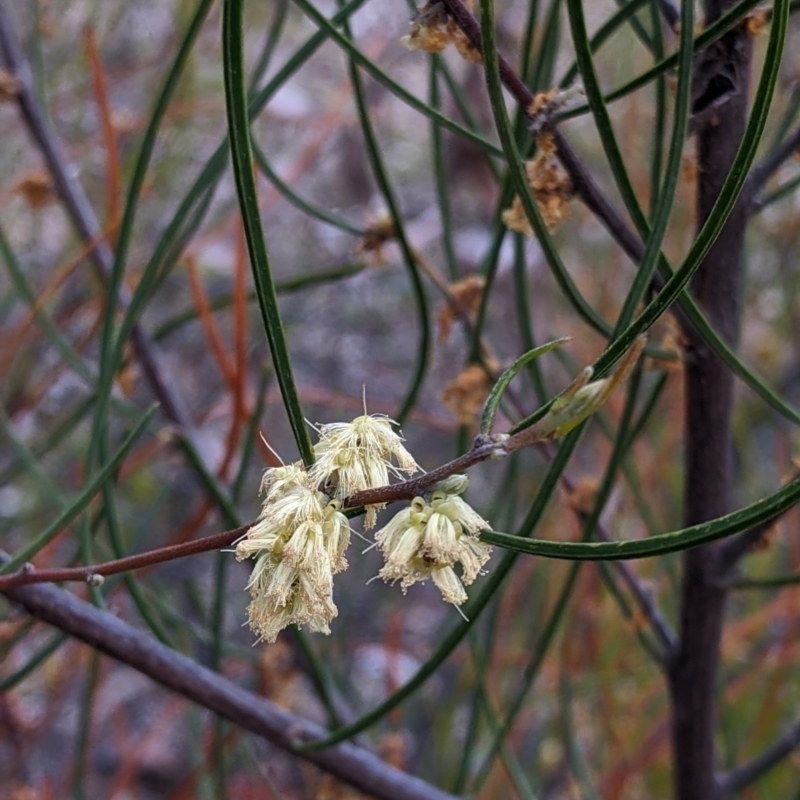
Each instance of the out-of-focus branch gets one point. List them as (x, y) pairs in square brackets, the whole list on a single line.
[(647, 604), (734, 549), (596, 201), (671, 14), (581, 180), (764, 171), (81, 213), (748, 773), (176, 672)]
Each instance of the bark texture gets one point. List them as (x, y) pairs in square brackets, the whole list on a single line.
[(720, 105)]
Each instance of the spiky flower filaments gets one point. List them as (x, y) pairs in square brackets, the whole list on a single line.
[(353, 456), (298, 543), (427, 540)]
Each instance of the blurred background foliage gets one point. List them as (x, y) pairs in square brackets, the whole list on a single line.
[(565, 658)]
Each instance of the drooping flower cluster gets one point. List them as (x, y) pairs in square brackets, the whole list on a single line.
[(427, 539), (299, 543), (353, 456), (300, 537)]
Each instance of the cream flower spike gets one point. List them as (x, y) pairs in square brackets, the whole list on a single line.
[(354, 456), (298, 543), (426, 540)]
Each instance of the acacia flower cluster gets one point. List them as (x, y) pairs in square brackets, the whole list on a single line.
[(298, 544), (427, 539), (299, 540), (353, 456)]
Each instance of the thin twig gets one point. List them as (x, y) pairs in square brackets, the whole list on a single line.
[(661, 628), (748, 773), (760, 174), (82, 214), (486, 447), (671, 14), (30, 574), (110, 635), (734, 549), (581, 180)]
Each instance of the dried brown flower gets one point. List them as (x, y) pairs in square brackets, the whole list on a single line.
[(464, 297), (672, 339), (37, 189), (378, 233), (541, 100), (9, 87), (465, 48), (432, 30), (466, 393), (581, 498), (757, 21), (551, 188)]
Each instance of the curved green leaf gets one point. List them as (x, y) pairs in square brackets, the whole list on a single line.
[(242, 158), (493, 400), (761, 511)]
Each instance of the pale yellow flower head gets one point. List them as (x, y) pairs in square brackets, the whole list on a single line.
[(353, 456), (278, 481), (298, 543), (426, 540)]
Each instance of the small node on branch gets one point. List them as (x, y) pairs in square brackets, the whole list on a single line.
[(546, 105)]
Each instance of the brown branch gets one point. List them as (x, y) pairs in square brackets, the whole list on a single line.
[(29, 574), (748, 773), (110, 635), (484, 448), (581, 180), (708, 406)]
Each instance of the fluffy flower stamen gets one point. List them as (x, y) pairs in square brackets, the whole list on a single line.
[(353, 456), (298, 543), (426, 540)]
